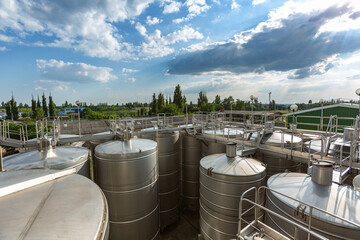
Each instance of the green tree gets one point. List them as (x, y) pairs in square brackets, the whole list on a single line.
[(217, 99), (178, 99), (239, 105), (33, 104), (273, 105), (52, 107), (154, 105), (12, 110), (202, 99), (25, 114), (38, 104), (44, 105), (160, 101), (227, 102), (39, 113)]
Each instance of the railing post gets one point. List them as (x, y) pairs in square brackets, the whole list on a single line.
[(1, 160)]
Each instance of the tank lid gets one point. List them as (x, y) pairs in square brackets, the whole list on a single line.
[(237, 166), (341, 200), (126, 149), (58, 158), (54, 203)]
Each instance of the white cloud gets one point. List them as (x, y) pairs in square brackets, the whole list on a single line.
[(235, 5), (195, 7), (257, 2), (2, 49), (73, 72), (152, 21), (141, 29), (130, 80), (4, 38), (156, 45), (87, 27), (173, 7), (128, 70)]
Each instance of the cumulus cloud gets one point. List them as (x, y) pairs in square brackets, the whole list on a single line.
[(2, 49), (152, 21), (86, 26), (156, 45), (194, 7), (290, 40), (4, 38), (171, 7), (73, 72)]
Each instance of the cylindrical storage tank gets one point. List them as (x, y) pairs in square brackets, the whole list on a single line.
[(191, 156), (93, 144), (277, 138), (209, 147), (59, 158), (276, 164), (127, 173), (169, 174), (341, 200), (222, 181), (49, 204)]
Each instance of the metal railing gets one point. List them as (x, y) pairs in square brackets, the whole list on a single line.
[(308, 228)]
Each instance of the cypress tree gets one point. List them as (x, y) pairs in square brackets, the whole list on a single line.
[(44, 105), (52, 107)]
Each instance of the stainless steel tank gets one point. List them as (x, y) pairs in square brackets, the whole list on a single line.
[(210, 146), (59, 158), (191, 156), (341, 200), (47, 204), (127, 173), (222, 181), (93, 144), (276, 164), (169, 174)]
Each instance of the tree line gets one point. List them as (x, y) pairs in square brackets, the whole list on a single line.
[(38, 109), (179, 105)]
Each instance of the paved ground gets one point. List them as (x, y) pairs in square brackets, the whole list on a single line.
[(186, 229)]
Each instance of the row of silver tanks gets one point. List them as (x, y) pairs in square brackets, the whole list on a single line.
[(142, 183)]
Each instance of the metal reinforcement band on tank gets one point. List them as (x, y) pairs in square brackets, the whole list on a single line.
[(300, 186)]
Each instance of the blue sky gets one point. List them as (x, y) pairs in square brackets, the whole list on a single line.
[(120, 51)]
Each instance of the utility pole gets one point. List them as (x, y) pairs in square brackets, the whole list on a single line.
[(269, 101)]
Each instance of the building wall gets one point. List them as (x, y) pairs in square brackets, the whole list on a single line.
[(313, 122)]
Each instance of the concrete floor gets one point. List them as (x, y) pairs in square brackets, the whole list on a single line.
[(186, 229)]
